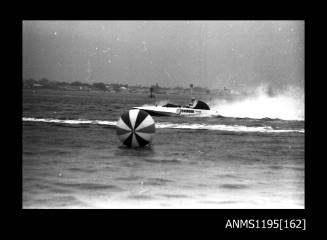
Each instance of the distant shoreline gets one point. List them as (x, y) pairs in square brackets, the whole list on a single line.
[(124, 88), (146, 94)]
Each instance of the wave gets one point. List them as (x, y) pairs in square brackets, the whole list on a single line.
[(72, 121), (168, 125), (223, 127)]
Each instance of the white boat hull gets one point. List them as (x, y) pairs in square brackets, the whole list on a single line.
[(177, 111)]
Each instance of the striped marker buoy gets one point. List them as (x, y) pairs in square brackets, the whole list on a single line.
[(135, 128)]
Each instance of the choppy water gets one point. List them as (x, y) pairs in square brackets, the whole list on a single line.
[(72, 157)]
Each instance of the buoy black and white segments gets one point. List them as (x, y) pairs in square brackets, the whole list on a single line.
[(135, 128)]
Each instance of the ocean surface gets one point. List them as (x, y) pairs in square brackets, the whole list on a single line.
[(72, 157)]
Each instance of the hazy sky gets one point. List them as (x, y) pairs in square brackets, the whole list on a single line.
[(213, 54)]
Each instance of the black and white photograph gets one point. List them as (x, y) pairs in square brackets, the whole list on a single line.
[(163, 114)]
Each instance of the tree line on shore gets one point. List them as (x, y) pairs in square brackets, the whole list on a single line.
[(45, 83), (48, 84)]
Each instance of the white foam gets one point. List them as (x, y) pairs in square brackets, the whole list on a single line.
[(286, 104), (71, 121), (213, 127), (222, 127)]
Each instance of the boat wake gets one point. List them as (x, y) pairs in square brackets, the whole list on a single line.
[(169, 125)]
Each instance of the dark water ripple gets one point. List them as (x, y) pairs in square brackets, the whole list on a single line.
[(131, 178), (174, 195), (57, 201), (276, 167), (140, 197), (233, 186), (157, 181), (161, 161), (89, 186), (83, 170)]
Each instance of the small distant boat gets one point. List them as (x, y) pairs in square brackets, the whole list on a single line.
[(195, 108)]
